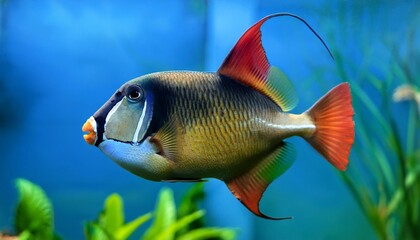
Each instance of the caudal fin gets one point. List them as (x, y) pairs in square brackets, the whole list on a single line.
[(334, 133)]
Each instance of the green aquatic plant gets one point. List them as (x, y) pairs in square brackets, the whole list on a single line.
[(34, 216), (388, 155), (189, 204), (168, 222), (110, 223), (384, 174)]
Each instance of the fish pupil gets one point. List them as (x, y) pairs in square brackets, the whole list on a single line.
[(134, 95)]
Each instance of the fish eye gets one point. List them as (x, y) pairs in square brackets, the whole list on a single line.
[(134, 93)]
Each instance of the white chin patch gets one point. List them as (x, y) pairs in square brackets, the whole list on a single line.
[(127, 155)]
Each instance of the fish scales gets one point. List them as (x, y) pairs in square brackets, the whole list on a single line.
[(198, 102)]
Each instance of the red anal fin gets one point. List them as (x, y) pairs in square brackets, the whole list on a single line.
[(334, 132), (249, 187)]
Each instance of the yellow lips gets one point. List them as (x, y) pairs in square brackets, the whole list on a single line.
[(90, 127)]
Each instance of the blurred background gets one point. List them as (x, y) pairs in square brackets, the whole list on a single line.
[(61, 60)]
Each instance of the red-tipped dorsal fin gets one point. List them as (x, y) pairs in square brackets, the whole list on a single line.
[(334, 132), (248, 64), (249, 187)]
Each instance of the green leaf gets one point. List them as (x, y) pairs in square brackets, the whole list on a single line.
[(411, 129), (170, 231), (34, 211), (371, 107), (111, 221), (126, 230), (191, 199), (395, 201), (94, 232), (25, 235), (365, 201), (112, 217), (189, 204), (165, 215), (209, 233)]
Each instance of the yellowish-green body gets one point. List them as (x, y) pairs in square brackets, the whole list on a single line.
[(221, 128)]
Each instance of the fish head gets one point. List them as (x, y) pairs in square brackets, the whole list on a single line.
[(125, 117), (120, 130)]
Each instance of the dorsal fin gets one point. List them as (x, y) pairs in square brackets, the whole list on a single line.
[(248, 64)]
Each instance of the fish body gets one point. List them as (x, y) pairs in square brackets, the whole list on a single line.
[(212, 120), (229, 125)]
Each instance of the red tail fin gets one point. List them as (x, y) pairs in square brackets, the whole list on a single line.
[(333, 118)]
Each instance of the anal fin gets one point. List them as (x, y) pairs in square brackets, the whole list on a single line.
[(249, 187)]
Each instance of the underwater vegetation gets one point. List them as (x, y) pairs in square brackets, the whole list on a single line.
[(34, 218), (184, 223), (384, 176), (34, 215), (392, 201)]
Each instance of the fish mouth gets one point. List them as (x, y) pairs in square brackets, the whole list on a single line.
[(90, 128)]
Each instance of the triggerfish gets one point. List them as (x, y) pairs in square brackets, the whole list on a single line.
[(230, 125)]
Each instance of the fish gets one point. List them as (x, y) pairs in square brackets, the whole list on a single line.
[(231, 125)]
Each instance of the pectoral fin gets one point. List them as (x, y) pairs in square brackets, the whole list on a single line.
[(165, 140), (249, 187)]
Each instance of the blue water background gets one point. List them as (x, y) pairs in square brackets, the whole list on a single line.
[(61, 60)]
